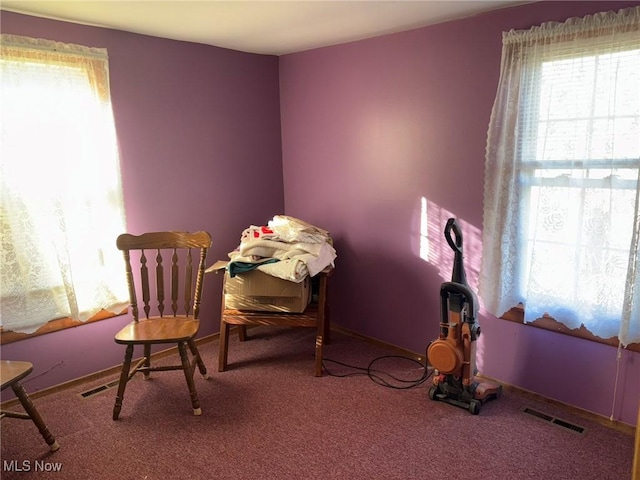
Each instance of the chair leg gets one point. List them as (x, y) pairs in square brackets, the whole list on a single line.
[(242, 333), (33, 413), (188, 375), (319, 345), (196, 354), (324, 317), (327, 325), (147, 362), (124, 378), (224, 346), (322, 326)]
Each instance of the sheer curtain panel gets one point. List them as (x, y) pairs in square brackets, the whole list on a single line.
[(561, 220), (62, 206)]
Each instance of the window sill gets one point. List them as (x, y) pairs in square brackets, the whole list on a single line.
[(54, 326), (516, 315)]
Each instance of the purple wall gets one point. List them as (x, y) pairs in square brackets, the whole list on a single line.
[(199, 133), (384, 139)]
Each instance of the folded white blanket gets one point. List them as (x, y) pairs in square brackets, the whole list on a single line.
[(291, 229), (301, 248), (292, 269)]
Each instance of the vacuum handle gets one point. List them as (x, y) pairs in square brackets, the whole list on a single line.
[(457, 244)]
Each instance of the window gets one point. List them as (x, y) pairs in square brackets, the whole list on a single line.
[(62, 205), (561, 226)]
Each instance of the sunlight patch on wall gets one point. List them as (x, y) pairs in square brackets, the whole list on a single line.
[(433, 246), (424, 230)]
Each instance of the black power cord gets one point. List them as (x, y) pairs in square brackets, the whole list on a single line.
[(377, 375)]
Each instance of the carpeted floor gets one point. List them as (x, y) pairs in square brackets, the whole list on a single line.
[(268, 417)]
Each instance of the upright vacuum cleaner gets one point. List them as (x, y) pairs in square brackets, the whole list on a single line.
[(453, 354)]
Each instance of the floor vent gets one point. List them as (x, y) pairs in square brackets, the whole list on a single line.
[(554, 421), (96, 390)]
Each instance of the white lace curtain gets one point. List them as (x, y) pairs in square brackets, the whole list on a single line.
[(561, 221), (62, 206)]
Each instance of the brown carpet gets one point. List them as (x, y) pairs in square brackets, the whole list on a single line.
[(268, 417)]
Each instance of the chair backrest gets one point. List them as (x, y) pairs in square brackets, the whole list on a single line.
[(173, 263)]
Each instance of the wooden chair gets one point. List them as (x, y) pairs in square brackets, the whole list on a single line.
[(316, 315), (11, 373), (178, 326)]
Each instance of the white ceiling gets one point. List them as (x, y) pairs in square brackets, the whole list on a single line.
[(267, 27)]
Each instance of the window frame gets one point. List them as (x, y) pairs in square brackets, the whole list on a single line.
[(527, 179), (74, 58)]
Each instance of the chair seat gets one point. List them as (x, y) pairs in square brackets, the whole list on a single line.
[(159, 330), (11, 371)]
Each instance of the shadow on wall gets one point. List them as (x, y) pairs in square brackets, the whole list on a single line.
[(384, 296), (498, 339), (432, 247), (534, 359), (387, 285)]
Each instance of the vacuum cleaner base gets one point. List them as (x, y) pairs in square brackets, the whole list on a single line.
[(447, 388)]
